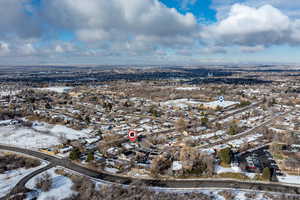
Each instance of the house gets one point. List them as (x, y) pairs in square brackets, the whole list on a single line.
[(92, 140), (113, 151), (65, 149)]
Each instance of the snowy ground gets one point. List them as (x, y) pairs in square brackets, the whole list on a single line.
[(56, 89), (10, 178), (219, 169), (61, 187), (223, 104), (41, 136), (289, 179), (57, 130)]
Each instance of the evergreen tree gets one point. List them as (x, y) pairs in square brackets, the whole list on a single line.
[(90, 156), (225, 156), (266, 175), (75, 154)]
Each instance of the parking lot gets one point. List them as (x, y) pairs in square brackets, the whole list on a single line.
[(257, 160)]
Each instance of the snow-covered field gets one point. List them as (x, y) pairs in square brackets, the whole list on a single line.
[(185, 102), (56, 89), (10, 178), (41, 136), (61, 187), (57, 130)]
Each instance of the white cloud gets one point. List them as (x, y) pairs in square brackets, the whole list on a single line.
[(101, 19), (252, 49), (62, 48), (213, 50), (139, 29), (247, 26), (4, 49), (14, 19), (27, 50), (186, 3), (288, 7)]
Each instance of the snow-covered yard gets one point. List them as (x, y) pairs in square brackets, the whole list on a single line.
[(289, 179), (10, 178), (61, 187), (219, 169), (40, 136)]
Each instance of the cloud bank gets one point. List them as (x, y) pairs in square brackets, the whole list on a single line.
[(116, 28)]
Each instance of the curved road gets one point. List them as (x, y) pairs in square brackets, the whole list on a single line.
[(19, 187), (180, 184)]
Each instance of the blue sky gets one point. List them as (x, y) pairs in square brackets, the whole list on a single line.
[(149, 32), (201, 9)]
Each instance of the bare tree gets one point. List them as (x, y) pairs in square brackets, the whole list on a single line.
[(44, 182), (181, 124)]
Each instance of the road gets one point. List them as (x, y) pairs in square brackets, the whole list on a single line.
[(237, 111), (179, 184), (218, 118), (248, 132), (20, 186)]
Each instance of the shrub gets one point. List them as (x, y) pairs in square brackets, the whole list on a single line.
[(13, 161), (233, 175), (90, 156), (251, 195), (228, 195)]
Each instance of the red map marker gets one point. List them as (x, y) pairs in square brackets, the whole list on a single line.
[(132, 136)]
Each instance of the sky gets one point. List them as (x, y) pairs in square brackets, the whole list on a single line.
[(124, 32)]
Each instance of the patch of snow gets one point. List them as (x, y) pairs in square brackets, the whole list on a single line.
[(219, 169), (188, 88), (70, 134), (111, 170), (61, 186), (250, 175), (289, 179), (223, 104), (56, 89), (176, 165)]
